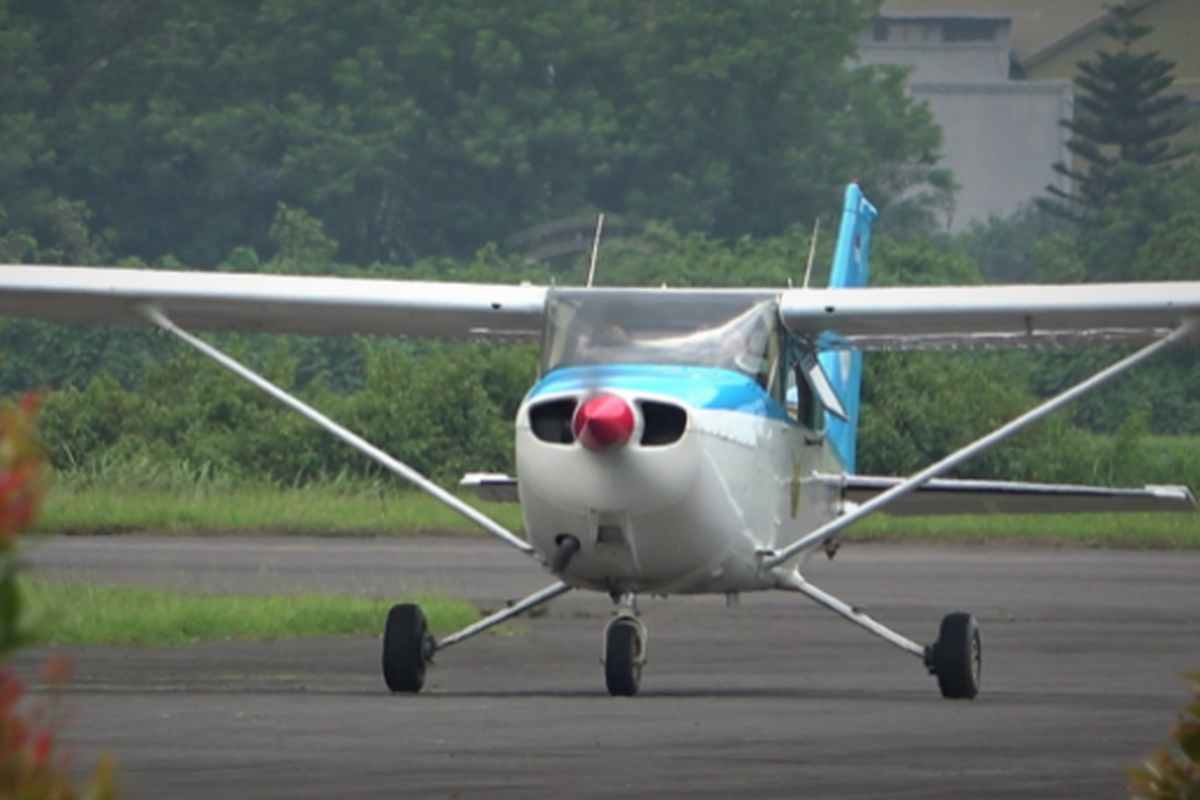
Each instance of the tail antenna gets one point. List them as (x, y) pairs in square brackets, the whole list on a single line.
[(595, 249), (812, 252)]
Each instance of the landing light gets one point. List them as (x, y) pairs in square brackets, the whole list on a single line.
[(603, 422)]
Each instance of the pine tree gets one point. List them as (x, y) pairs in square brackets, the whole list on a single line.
[(1123, 122)]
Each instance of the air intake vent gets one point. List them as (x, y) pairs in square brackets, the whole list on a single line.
[(664, 423), (551, 421)]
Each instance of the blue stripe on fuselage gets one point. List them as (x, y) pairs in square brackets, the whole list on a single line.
[(694, 387)]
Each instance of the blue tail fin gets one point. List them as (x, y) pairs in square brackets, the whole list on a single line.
[(844, 367)]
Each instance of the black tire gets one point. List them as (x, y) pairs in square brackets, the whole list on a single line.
[(623, 658), (407, 648), (958, 657)]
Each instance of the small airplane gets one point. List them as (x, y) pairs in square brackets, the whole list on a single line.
[(678, 441)]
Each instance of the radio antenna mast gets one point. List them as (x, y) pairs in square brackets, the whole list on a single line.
[(812, 252), (595, 249)]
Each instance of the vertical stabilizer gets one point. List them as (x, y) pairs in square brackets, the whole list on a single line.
[(844, 367)]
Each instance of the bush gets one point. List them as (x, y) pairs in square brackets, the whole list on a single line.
[(1173, 773), (29, 765)]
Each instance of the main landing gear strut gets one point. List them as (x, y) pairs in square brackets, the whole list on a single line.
[(409, 647), (956, 658)]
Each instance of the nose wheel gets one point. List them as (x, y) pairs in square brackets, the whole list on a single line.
[(624, 643), (624, 649)]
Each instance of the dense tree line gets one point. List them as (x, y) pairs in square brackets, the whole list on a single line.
[(407, 140), (419, 128), (1150, 232)]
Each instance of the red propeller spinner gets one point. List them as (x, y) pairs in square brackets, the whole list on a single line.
[(603, 422)]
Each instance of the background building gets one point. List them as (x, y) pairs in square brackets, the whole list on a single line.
[(997, 75)]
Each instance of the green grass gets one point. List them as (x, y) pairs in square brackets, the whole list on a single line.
[(349, 507), (1129, 531), (85, 613), (318, 508)]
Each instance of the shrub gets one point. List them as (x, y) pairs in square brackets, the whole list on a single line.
[(1173, 773), (30, 766)]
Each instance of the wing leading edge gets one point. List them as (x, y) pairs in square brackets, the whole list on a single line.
[(941, 317), (274, 303), (859, 318)]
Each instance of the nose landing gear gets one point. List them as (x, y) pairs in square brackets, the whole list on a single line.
[(624, 649)]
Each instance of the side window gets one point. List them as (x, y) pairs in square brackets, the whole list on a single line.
[(815, 419), (792, 393), (775, 366), (802, 403)]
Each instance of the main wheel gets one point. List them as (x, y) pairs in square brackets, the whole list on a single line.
[(623, 657), (407, 648), (958, 657)]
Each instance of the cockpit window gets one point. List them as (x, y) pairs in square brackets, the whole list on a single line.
[(736, 331)]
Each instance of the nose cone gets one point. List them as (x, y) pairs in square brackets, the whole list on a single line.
[(603, 422)]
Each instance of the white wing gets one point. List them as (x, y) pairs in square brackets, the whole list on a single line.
[(273, 303), (866, 318), (989, 316)]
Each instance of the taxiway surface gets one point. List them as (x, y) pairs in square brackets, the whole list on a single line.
[(772, 698)]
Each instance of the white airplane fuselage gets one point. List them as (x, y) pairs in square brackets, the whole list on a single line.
[(693, 514)]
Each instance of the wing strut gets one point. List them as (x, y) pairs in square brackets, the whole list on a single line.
[(796, 582), (978, 446), (349, 437), (535, 599)]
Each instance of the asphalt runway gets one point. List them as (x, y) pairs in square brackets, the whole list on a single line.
[(772, 698)]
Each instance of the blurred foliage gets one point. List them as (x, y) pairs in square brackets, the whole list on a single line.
[(433, 127), (1150, 232), (1003, 247), (1173, 773), (31, 766), (21, 489), (444, 409)]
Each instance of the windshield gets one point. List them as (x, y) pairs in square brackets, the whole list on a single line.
[(727, 330)]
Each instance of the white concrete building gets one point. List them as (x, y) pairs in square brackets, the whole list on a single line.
[(1001, 136)]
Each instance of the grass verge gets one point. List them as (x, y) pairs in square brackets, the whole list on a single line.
[(85, 613), (350, 508), (318, 508), (1128, 531)]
